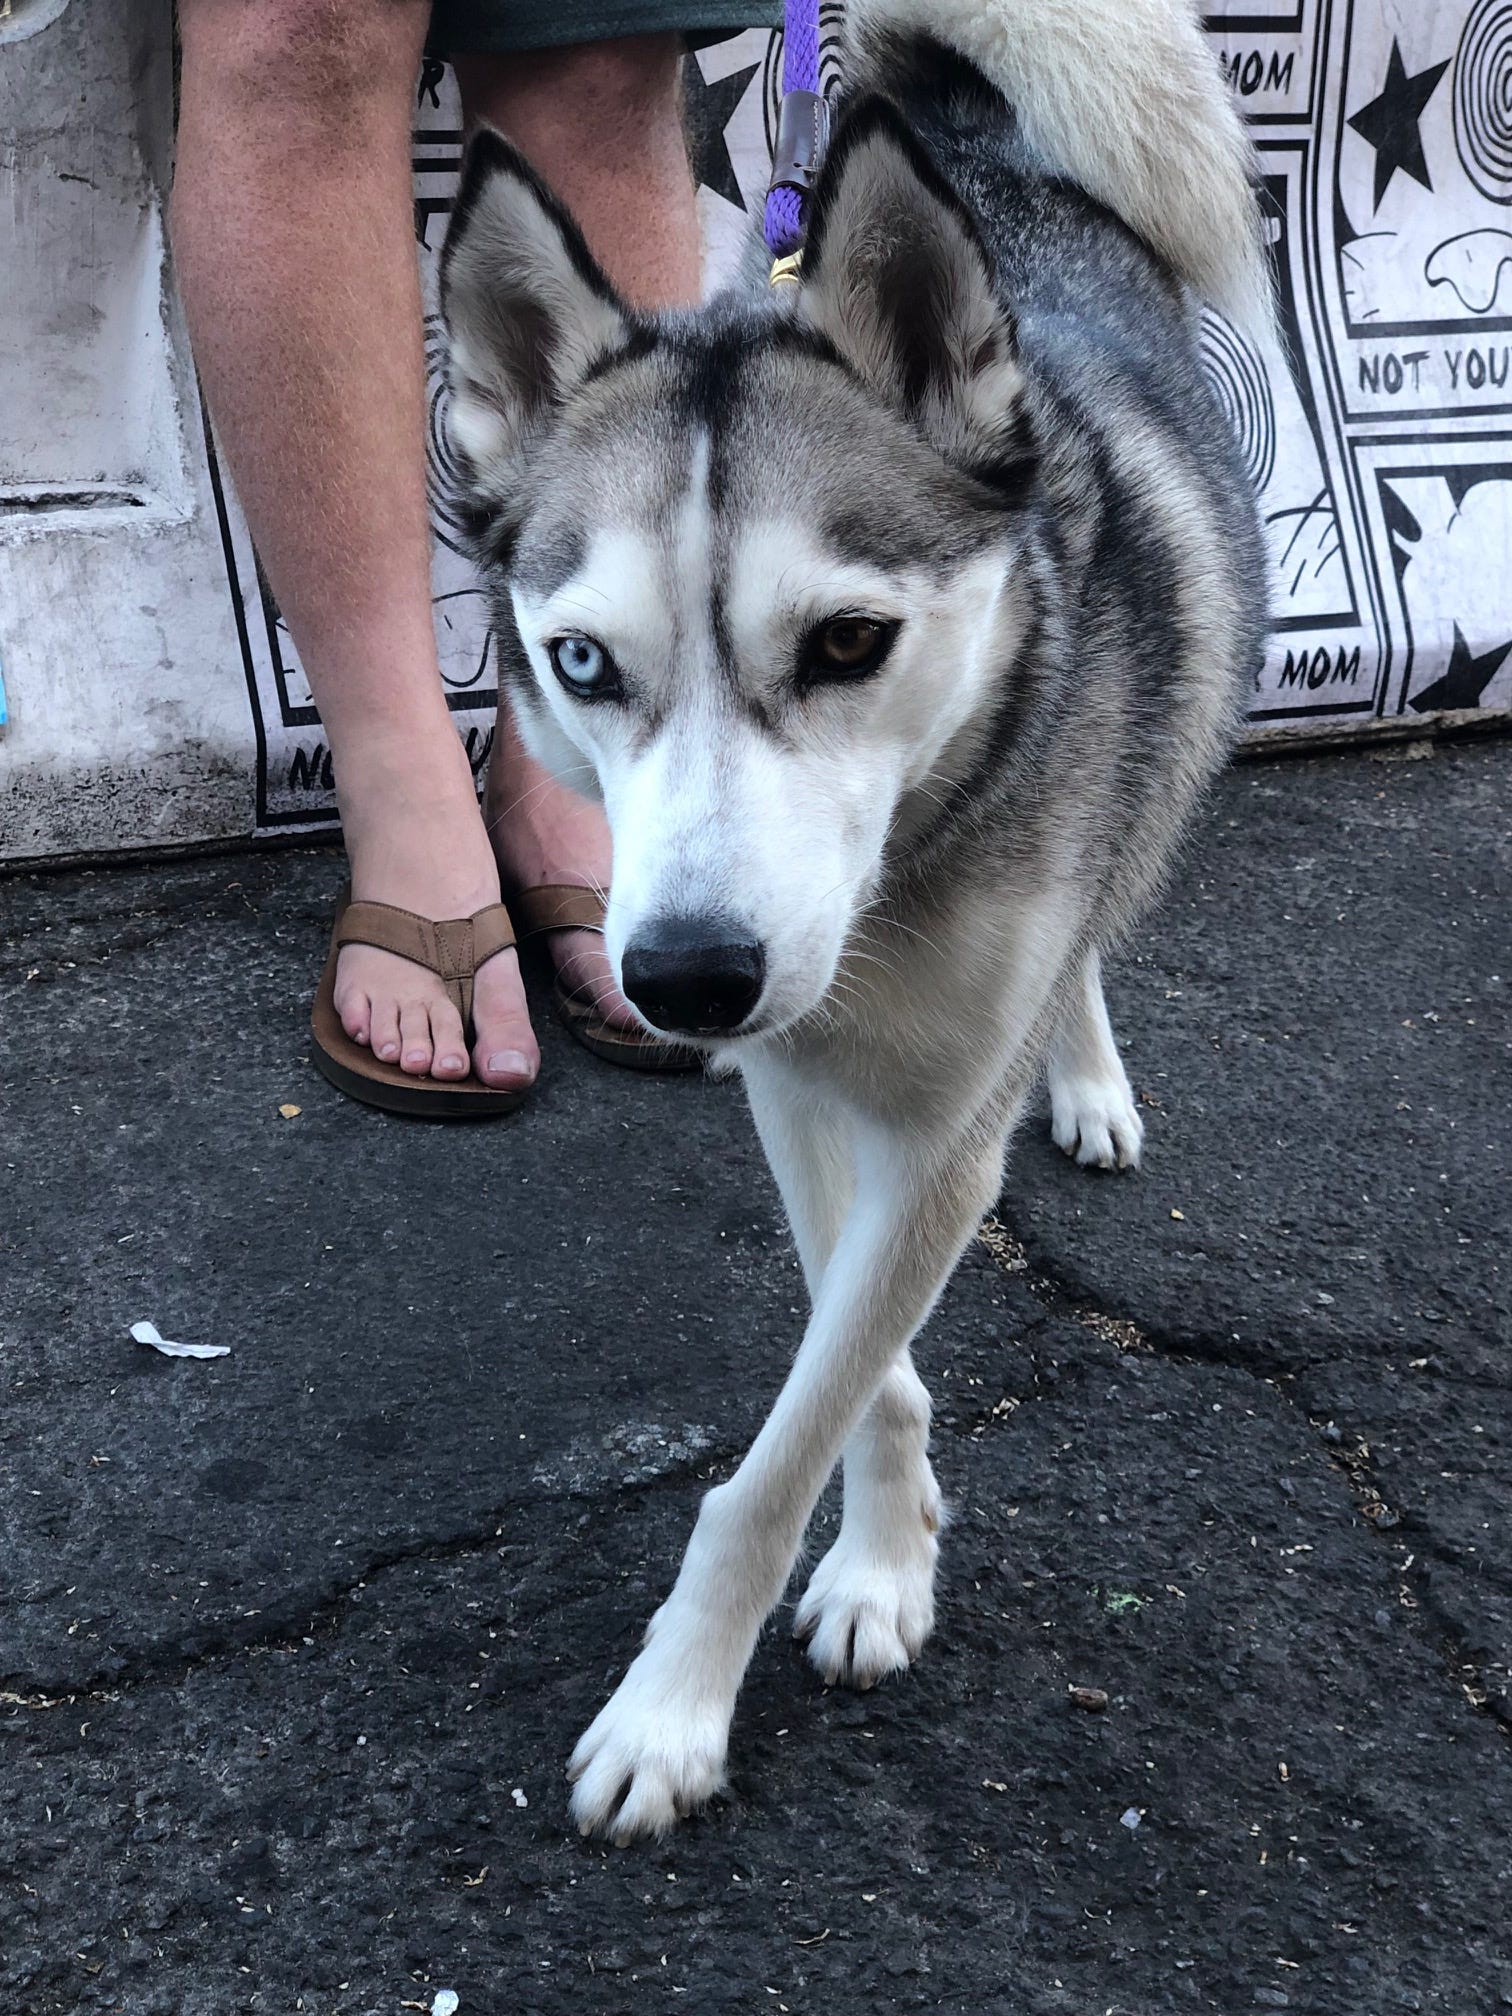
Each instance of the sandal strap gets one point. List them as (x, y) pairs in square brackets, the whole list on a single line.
[(558, 906), (453, 948)]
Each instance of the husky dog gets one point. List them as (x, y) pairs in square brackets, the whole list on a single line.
[(899, 617)]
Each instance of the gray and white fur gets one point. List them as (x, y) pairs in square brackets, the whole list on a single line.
[(900, 619)]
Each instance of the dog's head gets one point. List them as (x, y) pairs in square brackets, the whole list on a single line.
[(752, 565)]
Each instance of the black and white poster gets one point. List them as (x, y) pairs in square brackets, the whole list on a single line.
[(1377, 429), (1385, 134)]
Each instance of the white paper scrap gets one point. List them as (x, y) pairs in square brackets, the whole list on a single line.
[(447, 2002), (148, 1333)]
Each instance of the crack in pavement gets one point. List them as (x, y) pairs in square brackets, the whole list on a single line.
[(1355, 1461), (1011, 1256), (309, 1613), (320, 1609), (1352, 1459)]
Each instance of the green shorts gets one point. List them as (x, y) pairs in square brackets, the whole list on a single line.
[(465, 25)]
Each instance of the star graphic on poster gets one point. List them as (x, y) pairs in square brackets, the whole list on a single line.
[(708, 109), (1403, 529), (1390, 123), (1466, 679)]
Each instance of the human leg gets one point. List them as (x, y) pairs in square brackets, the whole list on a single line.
[(293, 233)]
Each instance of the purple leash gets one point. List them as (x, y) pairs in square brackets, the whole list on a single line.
[(803, 126)]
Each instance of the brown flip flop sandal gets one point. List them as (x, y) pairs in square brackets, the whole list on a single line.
[(567, 906), (454, 948)]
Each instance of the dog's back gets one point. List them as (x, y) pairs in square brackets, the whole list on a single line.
[(1091, 296), (1150, 520), (1121, 98)]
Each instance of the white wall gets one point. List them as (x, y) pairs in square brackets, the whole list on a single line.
[(129, 718)]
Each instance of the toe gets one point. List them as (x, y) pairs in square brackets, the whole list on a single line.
[(876, 1648), (598, 1793), (355, 1010), (1096, 1143), (352, 995), (415, 1049), (505, 1053), (449, 1041), (383, 1031), (1128, 1139), (829, 1643), (648, 1808)]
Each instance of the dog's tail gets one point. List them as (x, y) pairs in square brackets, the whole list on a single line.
[(1123, 97)]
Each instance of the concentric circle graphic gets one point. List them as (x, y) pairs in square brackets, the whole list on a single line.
[(771, 88), (1239, 383), (443, 473), (1483, 99)]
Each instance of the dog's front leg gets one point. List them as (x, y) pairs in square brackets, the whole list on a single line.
[(869, 1605), (658, 1749), (810, 1143)]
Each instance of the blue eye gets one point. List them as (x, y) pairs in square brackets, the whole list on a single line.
[(584, 667)]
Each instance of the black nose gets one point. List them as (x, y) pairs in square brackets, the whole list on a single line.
[(700, 976)]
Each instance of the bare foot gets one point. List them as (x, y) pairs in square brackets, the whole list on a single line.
[(544, 833), (415, 838)]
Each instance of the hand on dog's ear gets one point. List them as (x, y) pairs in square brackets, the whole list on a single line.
[(527, 310), (896, 276)]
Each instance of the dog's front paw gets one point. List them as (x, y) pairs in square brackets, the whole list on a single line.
[(868, 1607), (1095, 1121), (655, 1753)]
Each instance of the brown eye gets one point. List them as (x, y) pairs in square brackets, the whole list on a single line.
[(849, 643), (847, 647)]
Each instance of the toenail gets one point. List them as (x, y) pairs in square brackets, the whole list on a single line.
[(451, 1064), (510, 1064), (389, 1050)]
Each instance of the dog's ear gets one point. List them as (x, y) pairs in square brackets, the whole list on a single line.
[(527, 311), (896, 275)]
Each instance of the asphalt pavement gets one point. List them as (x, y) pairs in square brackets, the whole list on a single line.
[(294, 1642)]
